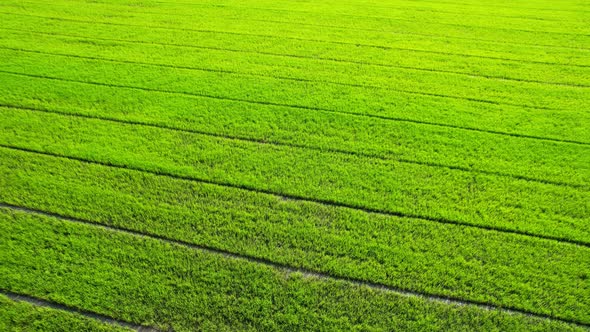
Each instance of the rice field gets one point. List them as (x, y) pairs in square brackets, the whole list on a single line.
[(222, 165)]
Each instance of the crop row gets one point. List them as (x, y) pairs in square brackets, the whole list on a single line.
[(568, 13), (303, 88), (534, 159), (169, 286), (575, 13), (339, 72), (379, 102), (381, 51), (402, 55), (263, 63), (369, 183), (214, 17), (542, 8), (23, 316), (368, 16), (407, 59)]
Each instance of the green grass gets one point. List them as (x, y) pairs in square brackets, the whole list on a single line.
[(171, 286), (371, 99), (506, 64), (362, 182), (555, 162), (279, 165), (519, 34), (22, 316), (375, 100), (412, 254)]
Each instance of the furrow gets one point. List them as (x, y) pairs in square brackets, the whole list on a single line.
[(404, 20), (412, 34), (418, 10), (290, 269), (367, 5), (300, 39), (301, 108), (490, 77), (298, 197), (501, 6), (285, 78), (54, 305), (292, 145)]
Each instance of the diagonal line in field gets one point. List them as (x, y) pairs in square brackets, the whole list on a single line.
[(289, 269), (294, 197), (297, 38), (284, 78), (303, 108), (501, 6), (315, 59), (62, 307), (312, 12), (287, 144)]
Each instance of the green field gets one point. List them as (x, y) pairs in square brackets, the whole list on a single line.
[(387, 165)]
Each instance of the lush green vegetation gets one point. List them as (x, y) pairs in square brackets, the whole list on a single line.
[(407, 253), (278, 165), (356, 181), (171, 286), (22, 316), (555, 162), (348, 97)]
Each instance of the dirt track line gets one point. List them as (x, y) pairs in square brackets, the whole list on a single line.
[(289, 269), (384, 47), (300, 107), (291, 145), (359, 85), (301, 80), (325, 202), (62, 307)]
